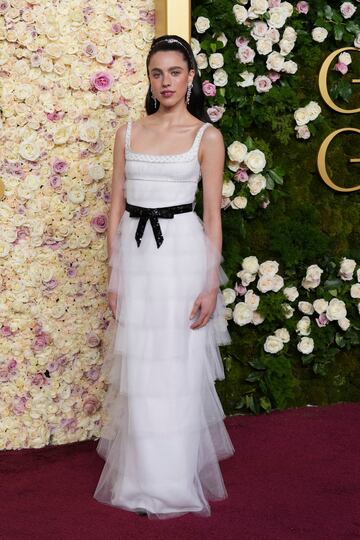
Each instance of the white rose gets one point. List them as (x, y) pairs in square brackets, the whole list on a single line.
[(269, 268), (277, 17), (278, 283), (347, 268), (248, 79), (240, 13), (96, 171), (89, 131), (275, 61), (220, 77), (195, 45), (264, 45), (273, 344), (255, 161), (250, 264), (228, 188), (30, 149), (76, 195), (313, 277), (242, 314), (345, 58), (286, 46), (246, 277), (201, 60), (239, 202), (306, 345), (257, 318), (306, 307), (344, 323), (290, 67), (288, 310), (320, 305), (265, 283), (283, 334), (313, 109), (303, 326), (355, 290), (229, 295), (216, 60), (252, 300), (336, 310), (301, 116), (259, 30), (357, 40), (319, 34), (202, 24), (291, 293), (256, 183), (228, 314), (290, 33), (237, 151)]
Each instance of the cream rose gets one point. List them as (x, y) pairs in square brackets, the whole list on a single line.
[(220, 77), (283, 334), (265, 283), (201, 60), (202, 24), (291, 293), (275, 61), (240, 13), (252, 300), (216, 60), (229, 295), (303, 326), (306, 307), (237, 151), (250, 264), (257, 318), (319, 34), (347, 267), (313, 109), (246, 277), (355, 290), (239, 202), (242, 314), (306, 345), (336, 310), (269, 268), (256, 183), (89, 131), (320, 305), (301, 116), (344, 323), (273, 344), (255, 161), (228, 188)]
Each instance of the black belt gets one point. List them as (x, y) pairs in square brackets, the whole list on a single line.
[(153, 214)]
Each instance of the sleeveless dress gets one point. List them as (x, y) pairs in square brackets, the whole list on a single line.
[(164, 432)]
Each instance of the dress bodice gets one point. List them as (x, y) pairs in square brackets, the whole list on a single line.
[(154, 180)]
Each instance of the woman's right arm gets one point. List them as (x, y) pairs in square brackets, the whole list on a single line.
[(117, 203)]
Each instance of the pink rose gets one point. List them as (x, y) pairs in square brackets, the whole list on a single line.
[(302, 7), (241, 42), (19, 405), (92, 339), (246, 55), (5, 331), (209, 89), (55, 115), (38, 379), (274, 3), (99, 223), (93, 373), (102, 81), (347, 10), (240, 289), (215, 112), (59, 166), (55, 181), (90, 50), (273, 76), (91, 404), (341, 67), (116, 28), (322, 320), (262, 84), (241, 175)]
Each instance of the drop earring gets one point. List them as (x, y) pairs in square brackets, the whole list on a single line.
[(188, 93), (154, 98)]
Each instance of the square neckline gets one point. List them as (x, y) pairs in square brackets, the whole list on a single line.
[(128, 145)]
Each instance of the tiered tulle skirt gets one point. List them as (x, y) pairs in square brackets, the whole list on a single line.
[(163, 433)]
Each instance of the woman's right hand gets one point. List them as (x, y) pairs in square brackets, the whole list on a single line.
[(112, 300)]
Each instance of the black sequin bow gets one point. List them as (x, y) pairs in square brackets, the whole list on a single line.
[(153, 214)]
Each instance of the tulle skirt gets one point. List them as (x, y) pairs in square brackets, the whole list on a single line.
[(163, 433)]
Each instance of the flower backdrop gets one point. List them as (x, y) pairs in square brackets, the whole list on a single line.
[(71, 73), (291, 244)]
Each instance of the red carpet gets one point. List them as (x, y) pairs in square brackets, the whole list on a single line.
[(295, 475)]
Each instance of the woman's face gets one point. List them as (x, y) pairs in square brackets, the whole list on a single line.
[(169, 76)]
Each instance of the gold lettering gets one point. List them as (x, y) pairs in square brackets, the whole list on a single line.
[(321, 160)]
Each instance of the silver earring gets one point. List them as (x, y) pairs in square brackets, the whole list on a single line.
[(188, 93), (154, 98)]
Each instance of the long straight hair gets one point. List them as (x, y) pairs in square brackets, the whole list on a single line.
[(196, 104)]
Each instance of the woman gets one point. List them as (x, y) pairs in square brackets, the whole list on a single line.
[(164, 433)]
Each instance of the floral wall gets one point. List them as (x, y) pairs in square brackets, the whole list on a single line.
[(291, 243), (71, 72)]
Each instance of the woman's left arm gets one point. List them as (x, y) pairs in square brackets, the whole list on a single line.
[(211, 158)]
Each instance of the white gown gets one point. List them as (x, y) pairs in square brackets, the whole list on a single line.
[(164, 432)]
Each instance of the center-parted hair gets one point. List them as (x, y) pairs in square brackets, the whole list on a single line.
[(172, 42)]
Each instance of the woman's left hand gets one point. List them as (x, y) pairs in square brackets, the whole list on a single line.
[(204, 305)]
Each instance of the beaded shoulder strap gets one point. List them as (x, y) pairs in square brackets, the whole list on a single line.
[(127, 135)]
